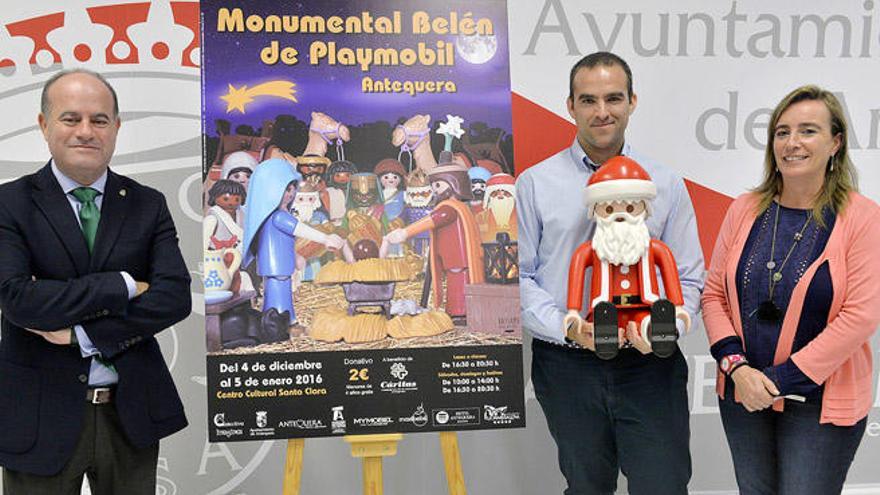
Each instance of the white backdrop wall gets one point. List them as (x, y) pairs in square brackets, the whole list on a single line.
[(706, 73)]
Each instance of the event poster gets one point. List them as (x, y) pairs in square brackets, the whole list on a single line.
[(360, 236)]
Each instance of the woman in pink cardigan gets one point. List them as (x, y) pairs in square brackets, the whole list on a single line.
[(791, 301)]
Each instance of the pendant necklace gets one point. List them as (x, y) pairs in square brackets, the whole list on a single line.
[(767, 310)]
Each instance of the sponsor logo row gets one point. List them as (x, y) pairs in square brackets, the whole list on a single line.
[(339, 424)]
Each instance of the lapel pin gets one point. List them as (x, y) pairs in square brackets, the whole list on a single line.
[(122, 192)]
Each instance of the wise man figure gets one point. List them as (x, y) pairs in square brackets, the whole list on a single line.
[(456, 254), (479, 176), (418, 198), (337, 180), (306, 207), (363, 220)]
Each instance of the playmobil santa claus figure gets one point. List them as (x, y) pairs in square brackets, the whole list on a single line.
[(499, 209), (625, 303)]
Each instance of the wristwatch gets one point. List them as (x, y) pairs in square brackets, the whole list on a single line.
[(731, 362)]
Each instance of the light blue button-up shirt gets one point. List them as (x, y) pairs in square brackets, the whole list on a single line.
[(99, 374), (553, 223)]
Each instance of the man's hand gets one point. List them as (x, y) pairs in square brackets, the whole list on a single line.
[(581, 331), (756, 391), (635, 338), (684, 316), (140, 288), (57, 337)]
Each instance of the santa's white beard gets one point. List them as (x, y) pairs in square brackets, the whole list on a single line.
[(501, 210), (304, 211), (621, 243)]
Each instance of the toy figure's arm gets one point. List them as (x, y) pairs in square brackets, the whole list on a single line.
[(439, 217), (582, 257), (325, 198), (397, 236), (541, 315), (307, 232), (288, 224), (209, 226), (444, 215), (665, 261)]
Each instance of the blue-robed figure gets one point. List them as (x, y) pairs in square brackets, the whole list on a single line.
[(270, 234)]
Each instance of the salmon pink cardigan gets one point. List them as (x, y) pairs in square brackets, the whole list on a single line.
[(840, 356)]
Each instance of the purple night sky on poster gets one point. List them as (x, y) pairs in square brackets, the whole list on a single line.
[(483, 89)]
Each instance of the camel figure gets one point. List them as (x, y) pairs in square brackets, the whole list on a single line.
[(414, 138), (323, 131)]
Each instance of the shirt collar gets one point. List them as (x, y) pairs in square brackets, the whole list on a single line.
[(68, 184), (580, 156)]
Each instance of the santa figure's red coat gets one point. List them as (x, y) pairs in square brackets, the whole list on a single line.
[(632, 289)]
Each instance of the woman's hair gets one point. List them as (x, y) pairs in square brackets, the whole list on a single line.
[(225, 186), (840, 179)]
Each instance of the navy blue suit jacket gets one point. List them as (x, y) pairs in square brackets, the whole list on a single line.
[(48, 281)]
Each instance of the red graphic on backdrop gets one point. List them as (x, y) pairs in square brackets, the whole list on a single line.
[(37, 29), (537, 132), (186, 14), (119, 18)]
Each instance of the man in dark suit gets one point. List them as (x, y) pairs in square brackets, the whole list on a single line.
[(90, 271)]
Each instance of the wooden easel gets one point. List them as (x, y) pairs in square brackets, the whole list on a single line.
[(372, 448)]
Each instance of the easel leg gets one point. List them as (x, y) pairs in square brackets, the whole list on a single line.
[(373, 476), (293, 466), (372, 448), (452, 462)]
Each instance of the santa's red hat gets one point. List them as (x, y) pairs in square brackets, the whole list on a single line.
[(503, 182), (619, 179)]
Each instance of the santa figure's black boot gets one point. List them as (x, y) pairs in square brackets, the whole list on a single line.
[(662, 333), (605, 333)]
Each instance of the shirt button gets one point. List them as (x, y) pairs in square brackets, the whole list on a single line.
[(624, 269), (83, 378), (624, 284)]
